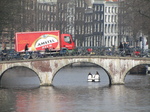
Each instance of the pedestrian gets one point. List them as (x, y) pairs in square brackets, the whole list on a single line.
[(121, 46), (26, 47), (97, 77), (97, 73), (124, 45), (89, 73), (90, 77), (27, 55), (4, 49)]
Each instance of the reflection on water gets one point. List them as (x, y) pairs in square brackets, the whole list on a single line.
[(72, 93)]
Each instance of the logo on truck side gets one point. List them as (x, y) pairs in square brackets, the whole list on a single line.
[(45, 41)]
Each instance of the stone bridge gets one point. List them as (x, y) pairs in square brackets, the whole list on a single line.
[(46, 68)]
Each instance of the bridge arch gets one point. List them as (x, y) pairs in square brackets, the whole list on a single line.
[(133, 65), (15, 66), (109, 76)]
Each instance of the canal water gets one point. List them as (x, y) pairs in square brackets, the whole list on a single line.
[(72, 93)]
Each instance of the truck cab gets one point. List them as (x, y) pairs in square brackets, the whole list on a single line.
[(67, 42)]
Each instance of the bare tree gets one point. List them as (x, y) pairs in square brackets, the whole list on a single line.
[(136, 15), (9, 11)]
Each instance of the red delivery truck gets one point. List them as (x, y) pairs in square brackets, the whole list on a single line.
[(41, 40)]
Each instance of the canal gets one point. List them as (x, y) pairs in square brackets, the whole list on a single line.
[(72, 93)]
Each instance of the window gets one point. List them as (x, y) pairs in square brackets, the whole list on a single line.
[(102, 8), (54, 8), (101, 16), (109, 10), (95, 17), (82, 29), (67, 39), (77, 3), (101, 27), (98, 27), (112, 10), (116, 10), (95, 8), (98, 8), (98, 17), (80, 3), (106, 29), (106, 10), (108, 18), (32, 5)]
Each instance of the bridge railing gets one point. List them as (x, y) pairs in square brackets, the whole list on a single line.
[(82, 51), (109, 51)]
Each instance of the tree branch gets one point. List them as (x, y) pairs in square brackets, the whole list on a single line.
[(144, 14)]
